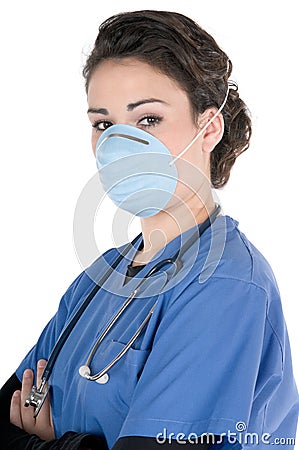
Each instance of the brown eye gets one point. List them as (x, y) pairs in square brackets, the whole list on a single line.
[(150, 121), (101, 125)]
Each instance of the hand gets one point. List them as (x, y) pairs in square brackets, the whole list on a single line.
[(22, 416)]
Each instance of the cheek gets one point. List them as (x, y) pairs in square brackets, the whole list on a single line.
[(191, 166), (94, 140), (180, 136)]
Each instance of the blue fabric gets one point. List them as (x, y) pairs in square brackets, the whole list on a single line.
[(214, 358)]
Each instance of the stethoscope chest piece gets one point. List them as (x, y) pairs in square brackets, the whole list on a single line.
[(103, 379), (37, 395), (84, 371)]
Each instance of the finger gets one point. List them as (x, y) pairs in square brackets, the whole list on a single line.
[(28, 420), (41, 364), (44, 416), (44, 423), (15, 409)]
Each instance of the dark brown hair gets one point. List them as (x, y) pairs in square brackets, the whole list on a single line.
[(182, 50)]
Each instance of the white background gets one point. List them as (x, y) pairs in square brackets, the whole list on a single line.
[(46, 156)]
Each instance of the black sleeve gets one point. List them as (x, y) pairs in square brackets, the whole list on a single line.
[(11, 385), (14, 438), (149, 443)]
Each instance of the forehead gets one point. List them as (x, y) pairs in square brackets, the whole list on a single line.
[(127, 79)]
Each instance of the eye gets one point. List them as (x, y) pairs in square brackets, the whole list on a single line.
[(101, 125), (150, 121)]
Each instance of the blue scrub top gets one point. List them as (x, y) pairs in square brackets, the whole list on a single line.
[(214, 357)]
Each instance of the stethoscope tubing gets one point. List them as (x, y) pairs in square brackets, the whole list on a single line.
[(104, 371), (73, 321)]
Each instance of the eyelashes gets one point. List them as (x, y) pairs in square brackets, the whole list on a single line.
[(147, 121), (101, 125), (151, 119)]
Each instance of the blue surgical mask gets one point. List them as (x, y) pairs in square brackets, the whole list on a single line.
[(137, 170)]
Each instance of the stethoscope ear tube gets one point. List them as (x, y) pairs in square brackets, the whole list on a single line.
[(38, 395), (85, 370), (70, 326), (102, 376)]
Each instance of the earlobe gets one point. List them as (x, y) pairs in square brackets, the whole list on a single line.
[(214, 133)]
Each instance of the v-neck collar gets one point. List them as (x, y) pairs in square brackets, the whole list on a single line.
[(115, 283), (117, 280)]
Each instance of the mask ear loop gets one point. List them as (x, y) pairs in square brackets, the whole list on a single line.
[(230, 86)]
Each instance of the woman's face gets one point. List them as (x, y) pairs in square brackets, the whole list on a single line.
[(127, 91)]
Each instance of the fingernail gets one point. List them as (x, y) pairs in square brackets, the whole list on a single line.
[(17, 394), (41, 364), (27, 373)]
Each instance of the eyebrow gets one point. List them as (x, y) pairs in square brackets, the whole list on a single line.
[(130, 106), (98, 111)]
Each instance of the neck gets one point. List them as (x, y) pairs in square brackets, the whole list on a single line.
[(161, 228)]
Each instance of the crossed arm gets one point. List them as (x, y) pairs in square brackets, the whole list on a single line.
[(20, 430)]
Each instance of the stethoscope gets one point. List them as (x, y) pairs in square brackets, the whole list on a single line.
[(38, 395)]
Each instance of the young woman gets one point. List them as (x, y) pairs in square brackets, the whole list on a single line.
[(201, 347)]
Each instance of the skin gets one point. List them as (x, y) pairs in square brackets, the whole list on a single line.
[(22, 416), (114, 85)]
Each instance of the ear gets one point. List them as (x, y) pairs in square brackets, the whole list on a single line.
[(214, 132)]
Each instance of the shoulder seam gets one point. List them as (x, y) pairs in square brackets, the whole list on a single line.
[(242, 280), (267, 309), (248, 250)]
